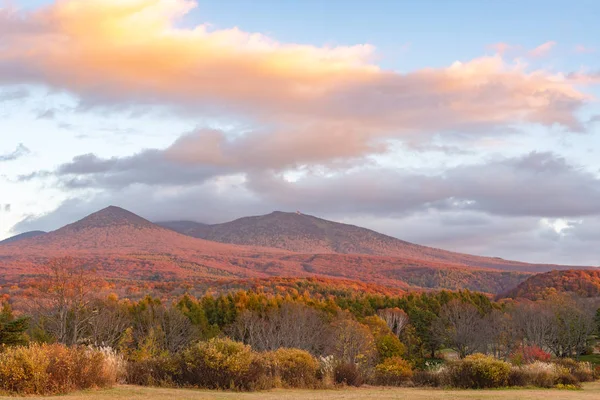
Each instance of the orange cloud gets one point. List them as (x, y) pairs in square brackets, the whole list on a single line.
[(542, 50), (133, 51), (500, 48)]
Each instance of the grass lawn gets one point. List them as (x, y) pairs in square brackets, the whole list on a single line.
[(593, 358), (590, 391)]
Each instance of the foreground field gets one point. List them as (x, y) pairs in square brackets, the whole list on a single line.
[(590, 391)]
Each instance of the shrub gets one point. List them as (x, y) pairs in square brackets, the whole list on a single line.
[(566, 378), (296, 368), (162, 371), (427, 378), (54, 369), (224, 364), (561, 386), (478, 371), (582, 371), (539, 374), (547, 375), (347, 374), (115, 366), (23, 370), (597, 372), (528, 355), (326, 370), (393, 371)]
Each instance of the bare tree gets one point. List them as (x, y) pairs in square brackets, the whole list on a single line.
[(291, 325), (395, 318), (168, 326), (501, 333), (63, 302), (111, 319), (572, 325), (461, 327), (533, 321)]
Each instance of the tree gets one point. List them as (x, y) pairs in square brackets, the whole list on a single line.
[(167, 328), (111, 320), (501, 332), (12, 330), (572, 325), (460, 326), (533, 321), (292, 325), (395, 318), (62, 306), (387, 343), (351, 342)]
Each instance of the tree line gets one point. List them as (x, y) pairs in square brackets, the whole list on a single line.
[(68, 309)]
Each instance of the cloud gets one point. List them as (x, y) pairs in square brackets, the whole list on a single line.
[(543, 49), (581, 49), (500, 48), (109, 51), (47, 114), (542, 185), (533, 185), (11, 95), (20, 151)]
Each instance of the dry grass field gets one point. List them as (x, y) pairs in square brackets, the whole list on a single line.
[(589, 392)]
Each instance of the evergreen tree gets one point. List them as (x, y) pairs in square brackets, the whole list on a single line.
[(12, 330)]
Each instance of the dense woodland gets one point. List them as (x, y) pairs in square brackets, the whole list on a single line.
[(363, 334)]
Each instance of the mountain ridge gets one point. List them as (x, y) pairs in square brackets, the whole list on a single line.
[(22, 236), (302, 233), (124, 246), (582, 282)]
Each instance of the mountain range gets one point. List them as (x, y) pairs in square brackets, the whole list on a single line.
[(306, 234), (122, 245)]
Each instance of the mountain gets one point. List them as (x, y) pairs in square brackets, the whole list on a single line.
[(188, 228), (585, 283), (124, 246), (302, 233), (22, 236)]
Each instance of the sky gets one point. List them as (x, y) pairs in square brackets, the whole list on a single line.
[(471, 126)]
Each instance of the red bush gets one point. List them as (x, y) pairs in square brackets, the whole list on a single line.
[(528, 355)]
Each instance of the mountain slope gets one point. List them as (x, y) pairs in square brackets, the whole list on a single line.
[(22, 236), (584, 283), (124, 246), (307, 234), (115, 230)]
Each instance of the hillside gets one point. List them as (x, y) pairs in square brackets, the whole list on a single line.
[(124, 246), (306, 234), (22, 236), (584, 283)]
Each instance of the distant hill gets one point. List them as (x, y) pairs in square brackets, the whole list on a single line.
[(584, 283), (22, 236), (302, 233), (124, 246)]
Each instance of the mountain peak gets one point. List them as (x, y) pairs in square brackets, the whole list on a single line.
[(110, 217), (285, 214)]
